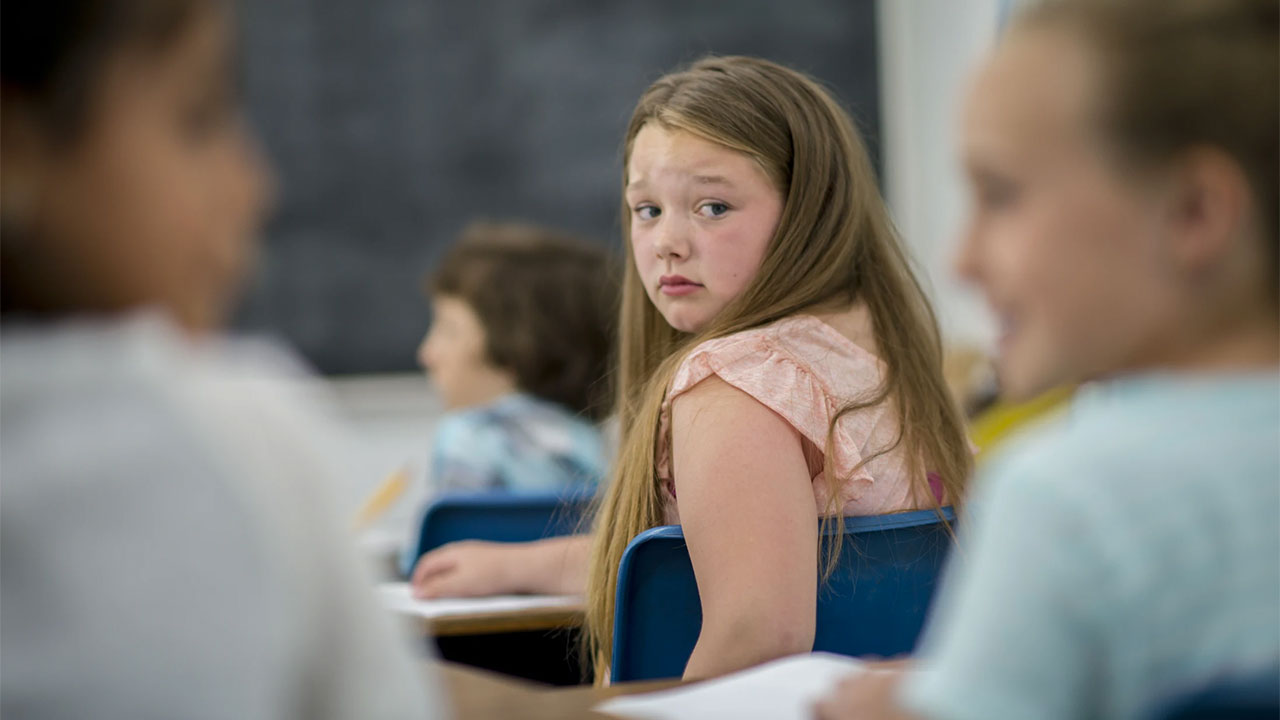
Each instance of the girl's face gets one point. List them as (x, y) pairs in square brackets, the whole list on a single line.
[(157, 200), (453, 352), (1067, 250), (702, 216)]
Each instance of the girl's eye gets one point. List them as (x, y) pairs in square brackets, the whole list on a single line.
[(713, 209), (647, 212)]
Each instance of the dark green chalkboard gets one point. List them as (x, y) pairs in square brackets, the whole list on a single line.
[(391, 123)]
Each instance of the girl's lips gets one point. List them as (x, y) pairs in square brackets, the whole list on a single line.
[(676, 285), (680, 289)]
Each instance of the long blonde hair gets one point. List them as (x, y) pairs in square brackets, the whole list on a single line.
[(834, 242)]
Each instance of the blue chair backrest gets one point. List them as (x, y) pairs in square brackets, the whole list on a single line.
[(505, 516), (1246, 697), (873, 604)]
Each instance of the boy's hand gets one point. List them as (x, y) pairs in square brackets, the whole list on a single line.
[(469, 568)]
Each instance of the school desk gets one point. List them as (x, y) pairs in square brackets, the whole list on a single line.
[(444, 617), (541, 645), (487, 623), (476, 694), (529, 637)]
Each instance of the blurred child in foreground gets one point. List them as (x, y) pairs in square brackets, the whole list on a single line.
[(1123, 158), (170, 543)]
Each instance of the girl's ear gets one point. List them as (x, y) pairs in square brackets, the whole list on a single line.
[(1210, 212)]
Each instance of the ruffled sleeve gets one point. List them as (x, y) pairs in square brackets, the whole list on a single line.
[(779, 371)]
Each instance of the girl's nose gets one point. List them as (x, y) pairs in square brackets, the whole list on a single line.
[(672, 240)]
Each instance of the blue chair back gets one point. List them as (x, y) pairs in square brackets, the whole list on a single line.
[(501, 516), (873, 604), (1247, 697)]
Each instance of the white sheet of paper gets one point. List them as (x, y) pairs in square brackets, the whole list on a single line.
[(784, 689), (396, 597)]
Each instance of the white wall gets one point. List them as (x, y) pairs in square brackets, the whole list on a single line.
[(928, 49), (389, 422)]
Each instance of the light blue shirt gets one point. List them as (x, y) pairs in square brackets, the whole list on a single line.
[(1119, 556)]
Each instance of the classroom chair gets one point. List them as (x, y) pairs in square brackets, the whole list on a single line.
[(507, 516), (1247, 697), (873, 604)]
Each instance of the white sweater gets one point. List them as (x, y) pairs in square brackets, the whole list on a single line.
[(169, 544)]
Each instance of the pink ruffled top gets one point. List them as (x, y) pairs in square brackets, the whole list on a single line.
[(805, 371)]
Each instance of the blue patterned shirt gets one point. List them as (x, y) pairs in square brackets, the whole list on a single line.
[(518, 442)]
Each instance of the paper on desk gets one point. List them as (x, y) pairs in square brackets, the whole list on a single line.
[(779, 690), (397, 597)]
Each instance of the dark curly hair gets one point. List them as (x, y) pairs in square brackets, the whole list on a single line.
[(52, 52)]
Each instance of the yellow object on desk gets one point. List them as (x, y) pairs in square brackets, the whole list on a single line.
[(382, 498), (996, 425)]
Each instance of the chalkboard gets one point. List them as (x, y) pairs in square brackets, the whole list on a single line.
[(392, 123)]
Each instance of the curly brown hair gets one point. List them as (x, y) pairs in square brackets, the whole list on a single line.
[(547, 301)]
